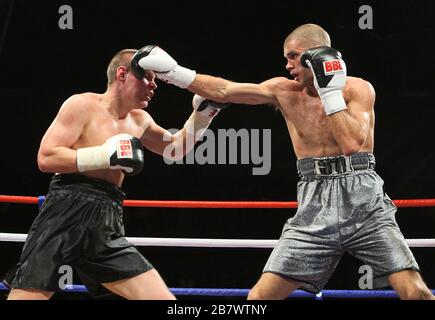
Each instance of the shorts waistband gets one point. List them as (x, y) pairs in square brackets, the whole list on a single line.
[(90, 185), (329, 166)]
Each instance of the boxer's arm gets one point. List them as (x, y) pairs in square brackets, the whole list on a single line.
[(173, 146), (350, 127), (162, 142), (176, 146), (55, 152), (221, 90), (153, 58)]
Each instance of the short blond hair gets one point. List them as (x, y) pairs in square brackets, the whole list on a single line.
[(121, 58), (310, 35)]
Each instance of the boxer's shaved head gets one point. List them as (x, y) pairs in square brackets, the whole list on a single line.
[(122, 58), (309, 36)]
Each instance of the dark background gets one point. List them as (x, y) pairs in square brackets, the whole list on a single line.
[(41, 66)]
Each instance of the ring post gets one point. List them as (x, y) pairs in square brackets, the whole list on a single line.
[(41, 200)]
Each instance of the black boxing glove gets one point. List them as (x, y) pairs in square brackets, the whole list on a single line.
[(153, 58), (329, 72), (122, 151)]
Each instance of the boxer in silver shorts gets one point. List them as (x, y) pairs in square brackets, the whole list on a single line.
[(342, 207)]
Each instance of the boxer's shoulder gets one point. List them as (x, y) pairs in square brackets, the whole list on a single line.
[(140, 117), (77, 105), (87, 100), (280, 83), (355, 83), (281, 88), (358, 86)]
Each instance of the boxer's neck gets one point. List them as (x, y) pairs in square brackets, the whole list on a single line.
[(115, 103), (311, 91)]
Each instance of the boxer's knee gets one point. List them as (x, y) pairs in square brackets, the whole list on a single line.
[(409, 285), (416, 293), (272, 287), (29, 294)]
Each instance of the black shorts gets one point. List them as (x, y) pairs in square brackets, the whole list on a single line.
[(80, 227)]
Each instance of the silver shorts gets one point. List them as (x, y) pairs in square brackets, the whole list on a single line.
[(347, 212)]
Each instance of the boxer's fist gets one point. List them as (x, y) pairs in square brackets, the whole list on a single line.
[(204, 110), (329, 72), (137, 70), (122, 151), (206, 107), (164, 66), (126, 153)]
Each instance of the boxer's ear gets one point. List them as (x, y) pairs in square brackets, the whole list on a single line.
[(121, 72)]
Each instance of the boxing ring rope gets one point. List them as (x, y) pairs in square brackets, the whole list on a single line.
[(224, 243), (405, 203), (207, 243), (228, 292)]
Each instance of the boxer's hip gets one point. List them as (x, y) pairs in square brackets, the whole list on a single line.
[(94, 189)]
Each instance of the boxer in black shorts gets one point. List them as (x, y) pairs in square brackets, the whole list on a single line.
[(342, 206), (94, 141), (87, 235)]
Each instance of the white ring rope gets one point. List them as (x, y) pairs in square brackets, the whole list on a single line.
[(210, 243)]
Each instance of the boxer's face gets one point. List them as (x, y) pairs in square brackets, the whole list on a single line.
[(141, 91), (292, 52), (148, 85)]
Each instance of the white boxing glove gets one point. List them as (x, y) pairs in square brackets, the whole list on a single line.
[(204, 110), (122, 151), (153, 58)]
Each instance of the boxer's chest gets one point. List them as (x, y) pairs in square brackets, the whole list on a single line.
[(99, 129), (307, 124)]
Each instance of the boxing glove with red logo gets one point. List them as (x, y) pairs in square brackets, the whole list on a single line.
[(122, 151), (329, 71)]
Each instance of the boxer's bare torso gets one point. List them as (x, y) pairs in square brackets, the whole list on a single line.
[(307, 122), (89, 119), (101, 124)]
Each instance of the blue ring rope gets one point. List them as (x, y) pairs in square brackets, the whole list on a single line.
[(41, 200), (213, 292)]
